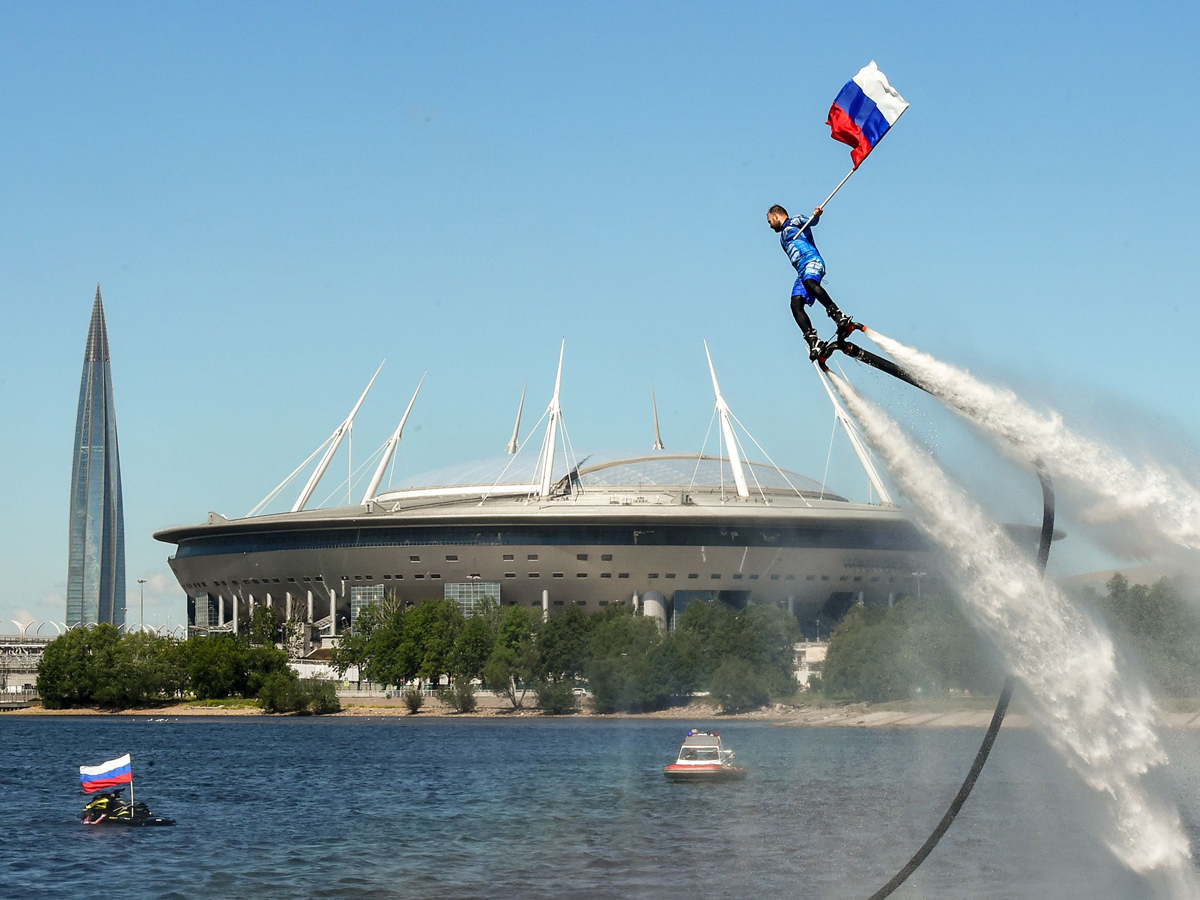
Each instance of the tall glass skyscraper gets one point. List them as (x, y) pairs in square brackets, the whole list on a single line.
[(96, 555)]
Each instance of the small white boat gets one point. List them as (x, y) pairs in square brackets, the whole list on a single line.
[(702, 758)]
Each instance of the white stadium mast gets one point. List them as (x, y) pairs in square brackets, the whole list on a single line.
[(546, 462), (735, 460), (864, 458), (390, 447), (513, 446), (658, 444), (334, 442)]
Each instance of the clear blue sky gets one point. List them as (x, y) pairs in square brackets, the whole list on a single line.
[(275, 197)]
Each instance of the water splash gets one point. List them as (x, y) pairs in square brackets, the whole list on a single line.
[(1151, 496), (1099, 720)]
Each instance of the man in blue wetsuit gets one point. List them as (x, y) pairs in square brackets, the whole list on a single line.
[(795, 235)]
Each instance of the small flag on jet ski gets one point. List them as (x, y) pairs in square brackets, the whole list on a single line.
[(864, 111), (106, 775)]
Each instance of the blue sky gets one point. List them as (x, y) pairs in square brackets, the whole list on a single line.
[(275, 197)]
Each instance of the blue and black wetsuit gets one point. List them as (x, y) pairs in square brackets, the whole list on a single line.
[(797, 241)]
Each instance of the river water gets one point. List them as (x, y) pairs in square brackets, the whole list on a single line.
[(532, 808)]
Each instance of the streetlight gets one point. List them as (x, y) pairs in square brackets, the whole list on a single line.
[(142, 588), (918, 576)]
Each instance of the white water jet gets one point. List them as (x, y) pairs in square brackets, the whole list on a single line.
[(1153, 496), (1099, 720)]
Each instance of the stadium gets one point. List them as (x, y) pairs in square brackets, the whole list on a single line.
[(656, 530)]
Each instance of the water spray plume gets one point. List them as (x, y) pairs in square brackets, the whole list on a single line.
[(1157, 498), (1101, 721)]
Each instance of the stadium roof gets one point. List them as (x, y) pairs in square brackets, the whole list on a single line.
[(612, 469)]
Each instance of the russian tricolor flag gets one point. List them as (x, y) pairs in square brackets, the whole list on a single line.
[(863, 112), (106, 775)]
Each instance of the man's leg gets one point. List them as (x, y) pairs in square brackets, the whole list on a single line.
[(800, 314), (844, 323)]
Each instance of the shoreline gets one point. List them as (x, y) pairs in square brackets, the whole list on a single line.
[(860, 715)]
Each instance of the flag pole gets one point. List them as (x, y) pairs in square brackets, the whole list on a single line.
[(839, 187)]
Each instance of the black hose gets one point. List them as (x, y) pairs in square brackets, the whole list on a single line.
[(989, 738)]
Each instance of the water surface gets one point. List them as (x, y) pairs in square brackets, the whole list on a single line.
[(442, 808)]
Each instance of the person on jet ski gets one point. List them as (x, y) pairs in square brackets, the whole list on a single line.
[(795, 236)]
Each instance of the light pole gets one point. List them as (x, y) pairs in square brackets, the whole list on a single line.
[(918, 576), (142, 589)]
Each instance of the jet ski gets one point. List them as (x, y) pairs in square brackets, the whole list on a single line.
[(110, 809)]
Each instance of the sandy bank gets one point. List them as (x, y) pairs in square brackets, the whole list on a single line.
[(783, 715)]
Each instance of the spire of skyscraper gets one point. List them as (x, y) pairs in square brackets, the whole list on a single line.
[(96, 551)]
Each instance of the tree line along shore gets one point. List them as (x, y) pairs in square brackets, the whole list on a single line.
[(610, 662)]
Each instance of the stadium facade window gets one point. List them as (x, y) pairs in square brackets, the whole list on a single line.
[(606, 557), (557, 575), (362, 596), (532, 556), (606, 574), (414, 559), (581, 574), (622, 574), (508, 557), (510, 574), (451, 558), (470, 595), (693, 575), (535, 574), (582, 557)]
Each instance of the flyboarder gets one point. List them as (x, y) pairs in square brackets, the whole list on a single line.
[(795, 236)]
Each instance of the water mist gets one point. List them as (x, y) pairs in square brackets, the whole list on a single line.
[(1152, 496), (1100, 721)]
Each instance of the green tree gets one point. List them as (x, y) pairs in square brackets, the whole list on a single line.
[(763, 636), (141, 669), (213, 667), (632, 666), (283, 691), (563, 645), (261, 663), (430, 633), (510, 672), (556, 698), (1158, 628), (473, 647), (738, 685), (459, 695), (265, 627), (74, 665), (917, 648)]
